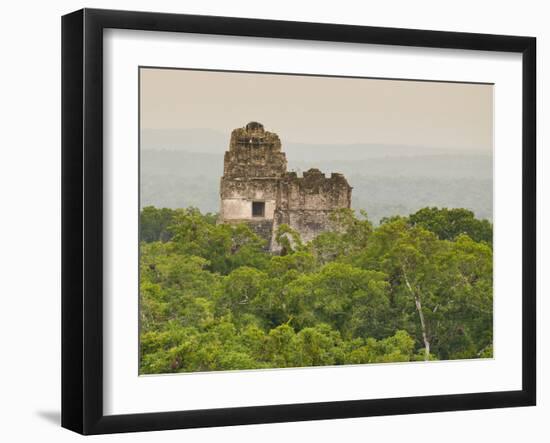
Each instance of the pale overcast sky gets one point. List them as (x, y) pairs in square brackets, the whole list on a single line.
[(319, 110)]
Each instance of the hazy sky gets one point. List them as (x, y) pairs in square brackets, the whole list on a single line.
[(317, 110)]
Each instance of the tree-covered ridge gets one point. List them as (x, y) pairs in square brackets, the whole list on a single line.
[(413, 288)]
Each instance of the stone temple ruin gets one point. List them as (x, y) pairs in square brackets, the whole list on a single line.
[(256, 188)]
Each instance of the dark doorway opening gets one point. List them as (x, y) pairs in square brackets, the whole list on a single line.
[(258, 209)]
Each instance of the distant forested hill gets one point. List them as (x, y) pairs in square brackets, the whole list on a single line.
[(396, 184)]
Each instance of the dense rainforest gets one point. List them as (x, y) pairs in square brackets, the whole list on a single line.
[(413, 288)]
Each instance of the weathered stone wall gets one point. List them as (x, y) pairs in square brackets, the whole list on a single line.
[(314, 191), (240, 209), (254, 152), (253, 166), (306, 203), (255, 171), (237, 195), (251, 188), (264, 229)]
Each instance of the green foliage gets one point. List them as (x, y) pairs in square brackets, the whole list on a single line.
[(212, 298), (349, 237), (226, 247), (448, 224), (288, 239), (154, 223), (399, 347)]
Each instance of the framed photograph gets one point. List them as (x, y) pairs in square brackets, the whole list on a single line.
[(269, 221)]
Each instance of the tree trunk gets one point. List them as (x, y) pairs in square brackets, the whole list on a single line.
[(418, 305)]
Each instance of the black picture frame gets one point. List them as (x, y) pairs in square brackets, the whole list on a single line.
[(82, 216)]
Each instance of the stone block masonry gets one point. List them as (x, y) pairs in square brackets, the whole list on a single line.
[(257, 189)]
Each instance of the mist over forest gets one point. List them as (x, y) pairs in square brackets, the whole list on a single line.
[(182, 168)]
